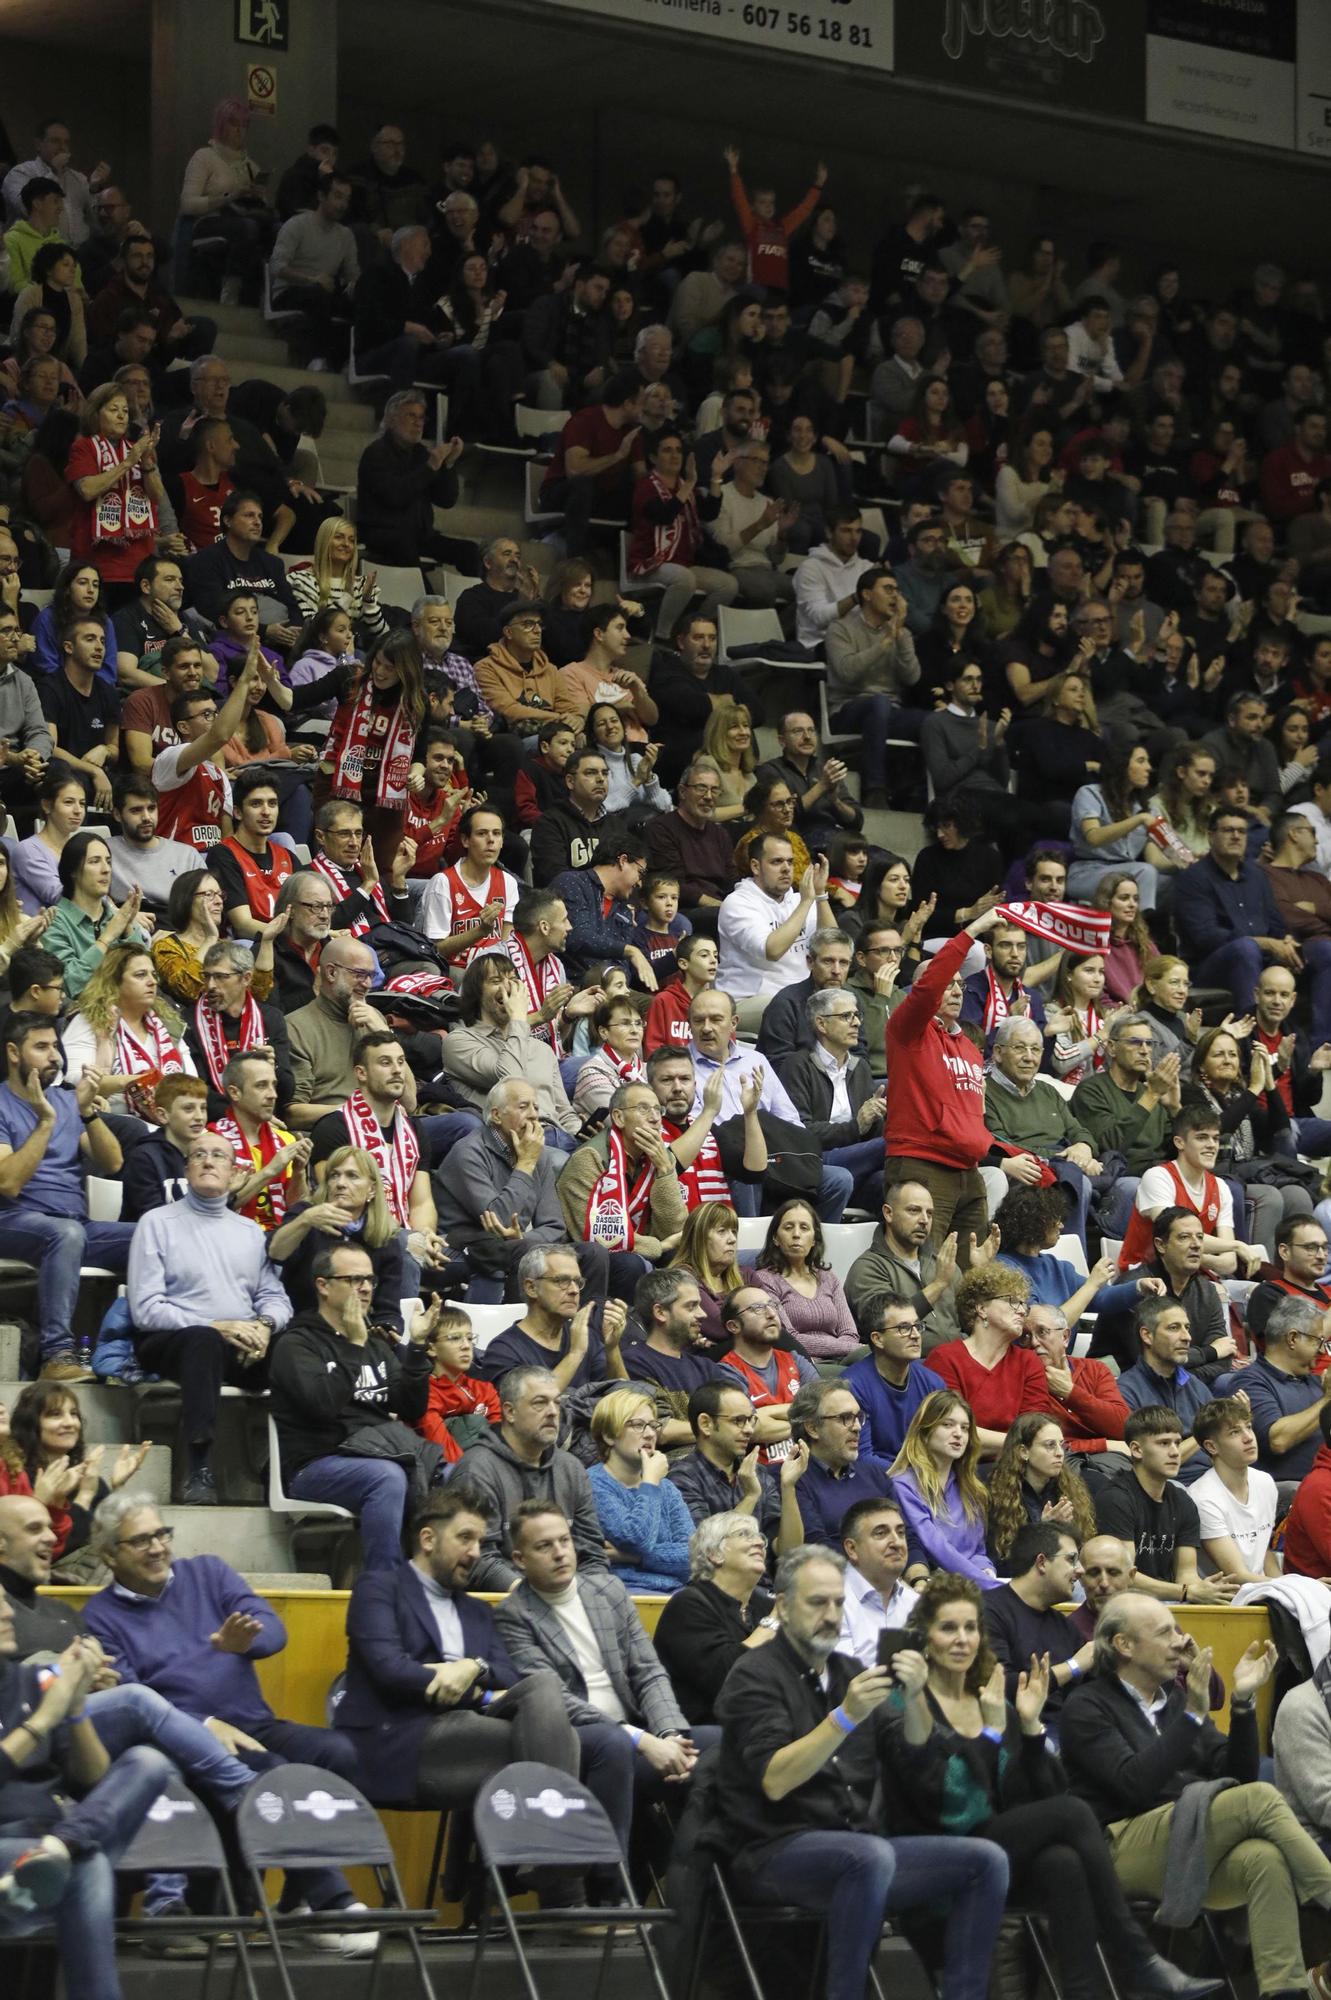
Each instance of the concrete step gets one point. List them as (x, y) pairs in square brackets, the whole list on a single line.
[(11, 1338), (284, 376), (228, 319), (249, 1538), (257, 347)]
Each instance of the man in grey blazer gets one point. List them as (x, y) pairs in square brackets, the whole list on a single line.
[(634, 1737)]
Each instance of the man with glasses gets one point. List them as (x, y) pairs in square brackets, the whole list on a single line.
[(191, 1629), (343, 1405), (832, 1088), (723, 1473), (786, 1027), (875, 981), (1128, 1107), (891, 1381), (308, 901), (1298, 1272), (688, 843), (324, 1033), (1121, 681), (204, 1301), (769, 1373), (826, 1418), (1285, 1396), (1093, 1410)]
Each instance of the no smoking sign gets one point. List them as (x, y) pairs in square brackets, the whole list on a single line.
[(261, 88)]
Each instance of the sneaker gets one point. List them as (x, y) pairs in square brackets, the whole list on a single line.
[(1319, 1980), (65, 1368), (341, 1944), (173, 1944), (200, 1489), (317, 366), (230, 294), (37, 1878)]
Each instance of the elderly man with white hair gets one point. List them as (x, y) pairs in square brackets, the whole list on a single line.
[(497, 1199), (1034, 1131), (1135, 1740)]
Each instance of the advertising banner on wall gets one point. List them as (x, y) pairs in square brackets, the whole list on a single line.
[(1070, 54), (857, 32), (1225, 68)]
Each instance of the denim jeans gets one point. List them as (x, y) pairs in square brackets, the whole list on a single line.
[(864, 1162), (125, 1716), (855, 1879), (58, 1245), (97, 1831), (373, 1489)]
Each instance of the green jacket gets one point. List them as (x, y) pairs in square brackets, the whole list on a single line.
[(874, 1011), (1040, 1122), (878, 1270), (22, 242), (1117, 1122), (73, 936)]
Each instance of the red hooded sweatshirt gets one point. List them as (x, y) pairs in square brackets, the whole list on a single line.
[(935, 1077), (1308, 1529)]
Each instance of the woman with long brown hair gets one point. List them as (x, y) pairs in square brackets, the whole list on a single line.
[(937, 1481), (707, 1251), (372, 741), (1033, 1480)]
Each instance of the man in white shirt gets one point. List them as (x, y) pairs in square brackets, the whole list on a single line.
[(713, 1023), (1318, 810), (1091, 346), (825, 581), (1235, 1501), (749, 528), (873, 1535), (765, 926), (51, 163), (468, 909)]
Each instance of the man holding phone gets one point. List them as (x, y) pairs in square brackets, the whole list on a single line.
[(878, 1601)]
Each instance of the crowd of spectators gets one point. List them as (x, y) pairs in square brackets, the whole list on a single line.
[(439, 1020)]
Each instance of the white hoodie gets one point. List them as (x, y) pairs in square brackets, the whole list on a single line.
[(821, 581)]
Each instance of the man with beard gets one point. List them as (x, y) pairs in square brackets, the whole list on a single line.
[(139, 857), (702, 1171), (480, 610), (674, 1355), (431, 1694), (307, 901), (921, 578), (686, 685)]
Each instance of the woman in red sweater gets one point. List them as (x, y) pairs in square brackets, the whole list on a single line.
[(935, 1130), (1000, 1380)]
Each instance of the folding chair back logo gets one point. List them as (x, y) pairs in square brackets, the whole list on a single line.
[(176, 1836), (299, 1816), (533, 1816)]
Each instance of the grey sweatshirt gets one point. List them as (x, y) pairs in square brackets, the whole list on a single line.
[(21, 718), (863, 661), (506, 1479)]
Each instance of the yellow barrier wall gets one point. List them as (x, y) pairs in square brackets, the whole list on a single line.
[(296, 1680)]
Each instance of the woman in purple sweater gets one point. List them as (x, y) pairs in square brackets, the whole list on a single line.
[(943, 1502), (792, 1266)]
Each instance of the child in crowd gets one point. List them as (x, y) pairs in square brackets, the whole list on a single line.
[(461, 1406), (660, 925)]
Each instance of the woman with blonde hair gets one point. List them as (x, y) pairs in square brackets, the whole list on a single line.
[(333, 575), (1166, 985), (349, 1205), (121, 1028), (728, 741), (1033, 1480), (943, 1502), (643, 1517), (223, 188), (707, 1251)]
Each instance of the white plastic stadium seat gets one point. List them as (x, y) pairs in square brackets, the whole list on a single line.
[(488, 1322), (844, 1242)]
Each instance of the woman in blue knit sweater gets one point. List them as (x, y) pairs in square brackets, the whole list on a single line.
[(643, 1517)]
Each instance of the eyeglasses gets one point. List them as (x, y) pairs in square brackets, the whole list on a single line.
[(846, 1014), (884, 950), (642, 1425), (904, 1326), (351, 1278), (851, 1418), (142, 1543), (356, 978)]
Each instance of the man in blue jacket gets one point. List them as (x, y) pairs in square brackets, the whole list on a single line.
[(433, 1702), (1228, 923)]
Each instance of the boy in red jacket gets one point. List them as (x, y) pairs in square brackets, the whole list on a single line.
[(935, 1130), (460, 1404), (767, 234)]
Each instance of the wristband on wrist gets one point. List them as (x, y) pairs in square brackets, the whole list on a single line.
[(992, 1735), (82, 1716), (1242, 1704), (634, 1735), (844, 1722)]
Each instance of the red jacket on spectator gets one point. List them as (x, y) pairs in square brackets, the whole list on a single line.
[(1308, 1529), (769, 242), (1289, 481), (667, 1019), (935, 1090), (20, 1486), (1095, 1410), (465, 1397)]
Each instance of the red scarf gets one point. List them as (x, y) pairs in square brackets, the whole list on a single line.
[(705, 1180), (397, 1169), (346, 887), (540, 982), (616, 1211), (1065, 924), (269, 1206), (346, 746), (262, 885), (629, 1069), (997, 1006), (160, 1058), (126, 511), (211, 1031), (1085, 1034), (1284, 1077)]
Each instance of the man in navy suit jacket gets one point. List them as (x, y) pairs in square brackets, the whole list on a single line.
[(433, 1702)]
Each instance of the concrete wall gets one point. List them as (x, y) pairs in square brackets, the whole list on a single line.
[(103, 96)]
